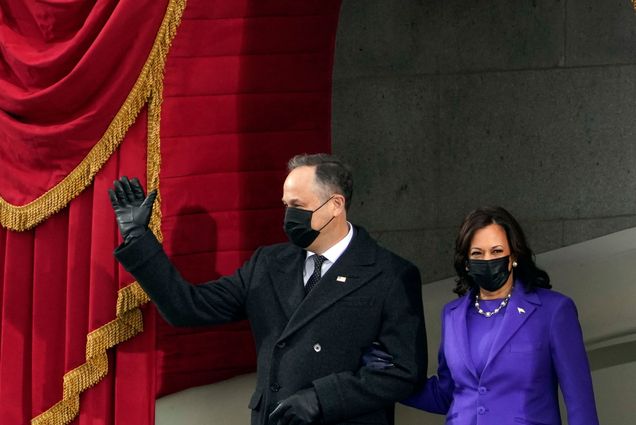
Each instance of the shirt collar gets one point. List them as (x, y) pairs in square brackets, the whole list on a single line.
[(333, 253)]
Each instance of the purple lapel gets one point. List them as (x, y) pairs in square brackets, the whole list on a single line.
[(460, 328), (519, 309)]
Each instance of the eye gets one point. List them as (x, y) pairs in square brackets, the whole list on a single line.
[(497, 252), (295, 204), (474, 254)]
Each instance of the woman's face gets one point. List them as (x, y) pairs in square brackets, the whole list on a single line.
[(488, 243)]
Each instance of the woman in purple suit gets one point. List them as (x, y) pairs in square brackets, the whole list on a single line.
[(508, 341)]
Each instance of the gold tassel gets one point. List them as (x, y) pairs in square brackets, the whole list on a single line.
[(129, 320)]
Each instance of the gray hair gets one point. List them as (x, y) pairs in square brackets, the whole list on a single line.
[(332, 174)]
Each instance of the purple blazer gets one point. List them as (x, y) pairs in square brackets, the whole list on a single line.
[(539, 346)]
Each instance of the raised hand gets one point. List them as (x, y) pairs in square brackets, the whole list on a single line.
[(132, 207)]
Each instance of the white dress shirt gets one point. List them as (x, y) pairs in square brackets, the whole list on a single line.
[(331, 255)]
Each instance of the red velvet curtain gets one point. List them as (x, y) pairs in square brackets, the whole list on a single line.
[(59, 282), (65, 69), (247, 85)]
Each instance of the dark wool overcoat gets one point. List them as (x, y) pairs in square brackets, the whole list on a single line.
[(369, 294)]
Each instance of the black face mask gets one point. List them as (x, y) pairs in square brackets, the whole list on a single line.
[(297, 225), (489, 274)]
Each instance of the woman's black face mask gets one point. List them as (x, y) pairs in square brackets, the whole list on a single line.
[(490, 274)]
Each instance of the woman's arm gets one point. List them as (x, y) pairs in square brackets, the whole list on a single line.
[(436, 395), (571, 364)]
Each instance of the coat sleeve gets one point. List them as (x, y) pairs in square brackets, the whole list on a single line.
[(571, 364), (437, 393), (180, 302), (349, 394)]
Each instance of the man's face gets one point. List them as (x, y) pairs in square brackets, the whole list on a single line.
[(300, 190)]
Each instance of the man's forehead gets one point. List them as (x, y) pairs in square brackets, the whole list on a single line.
[(300, 178), (299, 185)]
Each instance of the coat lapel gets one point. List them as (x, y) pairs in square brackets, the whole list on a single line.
[(458, 318), (286, 275), (351, 271), (520, 307)]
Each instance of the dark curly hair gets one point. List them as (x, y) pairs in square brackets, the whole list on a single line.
[(526, 271)]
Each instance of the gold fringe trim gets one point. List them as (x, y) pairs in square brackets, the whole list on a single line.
[(129, 320), (24, 217)]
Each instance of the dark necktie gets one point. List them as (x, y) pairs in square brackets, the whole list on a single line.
[(315, 276)]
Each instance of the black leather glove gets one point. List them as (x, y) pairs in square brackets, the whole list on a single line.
[(374, 357), (132, 208), (298, 409)]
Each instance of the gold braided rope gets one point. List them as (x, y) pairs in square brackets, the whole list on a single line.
[(24, 217), (129, 320)]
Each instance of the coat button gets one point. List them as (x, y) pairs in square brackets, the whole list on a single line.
[(281, 344), (274, 387), (481, 410), (317, 348), (482, 390)]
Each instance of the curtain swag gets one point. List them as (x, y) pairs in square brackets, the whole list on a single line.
[(148, 85)]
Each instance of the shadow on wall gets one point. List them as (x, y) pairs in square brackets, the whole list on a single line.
[(597, 274)]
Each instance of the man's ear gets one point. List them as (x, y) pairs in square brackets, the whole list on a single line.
[(339, 204)]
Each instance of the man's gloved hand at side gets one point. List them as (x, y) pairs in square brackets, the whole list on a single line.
[(301, 408), (132, 208)]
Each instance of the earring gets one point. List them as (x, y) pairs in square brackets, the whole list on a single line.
[(514, 264)]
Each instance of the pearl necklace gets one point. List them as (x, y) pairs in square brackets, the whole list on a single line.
[(504, 303)]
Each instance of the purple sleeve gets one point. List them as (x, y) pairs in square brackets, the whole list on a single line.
[(571, 365), (437, 393)]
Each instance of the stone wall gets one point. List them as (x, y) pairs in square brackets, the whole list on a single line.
[(443, 106)]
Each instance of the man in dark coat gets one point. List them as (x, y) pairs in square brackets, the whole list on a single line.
[(313, 304)]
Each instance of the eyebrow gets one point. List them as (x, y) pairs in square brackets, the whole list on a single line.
[(479, 248)]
